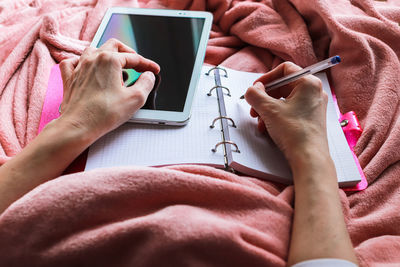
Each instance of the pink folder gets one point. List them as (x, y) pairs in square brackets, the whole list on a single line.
[(53, 99)]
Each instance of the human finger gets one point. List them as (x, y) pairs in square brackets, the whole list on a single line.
[(258, 98), (261, 126), (280, 71), (141, 89), (116, 46), (86, 54), (310, 87), (137, 62), (67, 68), (253, 113)]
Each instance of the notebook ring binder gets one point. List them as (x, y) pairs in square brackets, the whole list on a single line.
[(226, 142), (223, 87), (218, 68), (223, 117)]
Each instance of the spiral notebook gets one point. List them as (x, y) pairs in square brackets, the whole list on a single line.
[(220, 133)]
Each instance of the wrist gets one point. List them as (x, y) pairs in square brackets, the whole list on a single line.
[(311, 161), (44, 158), (309, 147), (71, 132)]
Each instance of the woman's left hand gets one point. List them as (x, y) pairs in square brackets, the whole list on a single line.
[(95, 102), (95, 98)]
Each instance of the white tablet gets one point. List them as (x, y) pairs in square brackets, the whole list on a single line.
[(177, 41)]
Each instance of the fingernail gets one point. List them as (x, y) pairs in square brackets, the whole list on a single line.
[(259, 84), (150, 75)]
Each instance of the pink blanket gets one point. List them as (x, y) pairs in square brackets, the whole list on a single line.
[(191, 215)]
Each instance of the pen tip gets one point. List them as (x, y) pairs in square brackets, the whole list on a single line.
[(336, 59), (242, 97)]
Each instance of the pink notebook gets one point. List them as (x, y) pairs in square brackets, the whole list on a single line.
[(54, 95), (352, 131)]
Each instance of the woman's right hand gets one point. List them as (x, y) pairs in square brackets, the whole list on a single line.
[(296, 123)]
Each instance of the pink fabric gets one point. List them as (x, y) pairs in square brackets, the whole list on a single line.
[(199, 215)]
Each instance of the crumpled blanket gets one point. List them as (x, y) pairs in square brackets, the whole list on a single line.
[(193, 215)]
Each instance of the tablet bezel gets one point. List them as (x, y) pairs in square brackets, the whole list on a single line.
[(159, 116)]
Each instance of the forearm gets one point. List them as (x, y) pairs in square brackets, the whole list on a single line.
[(95, 102), (319, 230), (43, 159)]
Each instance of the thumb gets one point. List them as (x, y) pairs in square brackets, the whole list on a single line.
[(141, 89), (259, 100)]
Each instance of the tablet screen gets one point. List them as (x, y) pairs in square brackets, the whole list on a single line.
[(172, 42)]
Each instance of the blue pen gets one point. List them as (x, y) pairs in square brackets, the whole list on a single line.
[(317, 67)]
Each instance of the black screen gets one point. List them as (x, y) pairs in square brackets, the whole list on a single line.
[(172, 42)]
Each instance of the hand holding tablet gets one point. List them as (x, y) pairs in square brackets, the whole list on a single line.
[(130, 76), (177, 41), (94, 100)]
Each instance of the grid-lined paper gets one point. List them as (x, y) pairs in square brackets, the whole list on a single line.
[(152, 145), (156, 145)]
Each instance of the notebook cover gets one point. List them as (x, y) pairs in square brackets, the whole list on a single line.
[(351, 140), (54, 96)]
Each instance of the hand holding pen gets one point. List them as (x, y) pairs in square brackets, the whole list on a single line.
[(298, 122), (320, 66)]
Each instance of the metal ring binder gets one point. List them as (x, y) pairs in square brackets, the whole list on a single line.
[(225, 142), (218, 68), (223, 87), (223, 117), (344, 123)]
